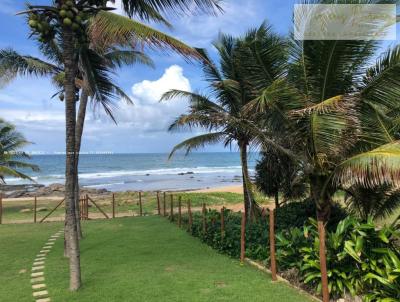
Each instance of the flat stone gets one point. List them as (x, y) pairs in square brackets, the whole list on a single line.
[(43, 300), (38, 268), (41, 256), (47, 247), (37, 280), (38, 263), (40, 259), (38, 274), (50, 243), (52, 239), (44, 251), (41, 293), (39, 286)]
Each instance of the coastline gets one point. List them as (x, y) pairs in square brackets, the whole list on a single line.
[(224, 189)]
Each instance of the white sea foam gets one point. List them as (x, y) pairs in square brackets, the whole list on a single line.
[(168, 171)]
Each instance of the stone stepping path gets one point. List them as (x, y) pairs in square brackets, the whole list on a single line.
[(39, 288)]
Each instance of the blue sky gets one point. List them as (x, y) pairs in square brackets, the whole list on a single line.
[(142, 128)]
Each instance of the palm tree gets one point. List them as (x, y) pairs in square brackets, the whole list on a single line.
[(225, 114), (73, 34), (98, 65), (278, 173), (339, 113), (11, 142)]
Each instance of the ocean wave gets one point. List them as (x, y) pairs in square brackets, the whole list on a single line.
[(47, 179), (167, 171)]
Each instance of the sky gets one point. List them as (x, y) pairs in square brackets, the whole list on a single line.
[(141, 128)]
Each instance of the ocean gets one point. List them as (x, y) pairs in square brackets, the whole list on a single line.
[(120, 172)]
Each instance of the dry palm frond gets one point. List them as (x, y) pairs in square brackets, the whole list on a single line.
[(380, 166)]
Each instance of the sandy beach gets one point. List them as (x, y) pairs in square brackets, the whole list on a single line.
[(225, 189)]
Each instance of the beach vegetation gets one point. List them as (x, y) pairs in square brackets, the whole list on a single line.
[(223, 109), (12, 157), (56, 23)]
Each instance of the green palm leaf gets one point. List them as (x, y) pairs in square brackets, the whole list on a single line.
[(13, 64), (199, 142), (108, 28), (148, 9)]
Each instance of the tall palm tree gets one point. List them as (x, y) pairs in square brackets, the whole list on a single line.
[(338, 111), (11, 156), (73, 34), (225, 113), (98, 65)]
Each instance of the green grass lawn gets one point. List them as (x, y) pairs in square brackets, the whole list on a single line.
[(134, 259), (19, 244)]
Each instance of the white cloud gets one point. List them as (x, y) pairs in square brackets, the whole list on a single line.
[(118, 7), (148, 114)]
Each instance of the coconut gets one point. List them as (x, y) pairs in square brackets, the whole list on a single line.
[(33, 23), (67, 21), (75, 26), (69, 3), (63, 13), (70, 14)]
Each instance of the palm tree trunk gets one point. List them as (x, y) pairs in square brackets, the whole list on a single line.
[(323, 200), (70, 67), (247, 192), (321, 196), (78, 140), (277, 205)]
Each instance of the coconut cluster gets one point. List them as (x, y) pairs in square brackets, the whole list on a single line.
[(44, 23)]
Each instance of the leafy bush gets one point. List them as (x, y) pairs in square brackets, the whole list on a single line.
[(360, 258), (296, 214)]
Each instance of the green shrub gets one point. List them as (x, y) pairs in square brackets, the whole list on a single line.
[(296, 214), (360, 259)]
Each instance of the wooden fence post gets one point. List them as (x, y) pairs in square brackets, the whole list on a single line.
[(140, 204), (204, 219), (1, 208), (222, 223), (164, 204), (113, 205), (172, 208), (242, 238), (180, 211), (34, 209), (80, 208), (87, 207), (272, 243), (158, 203), (190, 216), (322, 260)]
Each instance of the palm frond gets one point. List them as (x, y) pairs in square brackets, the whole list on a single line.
[(146, 9), (108, 28), (196, 101), (381, 84), (96, 73), (7, 171), (198, 142), (380, 166), (119, 58), (197, 119), (13, 64)]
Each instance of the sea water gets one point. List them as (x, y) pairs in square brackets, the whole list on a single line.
[(153, 171)]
